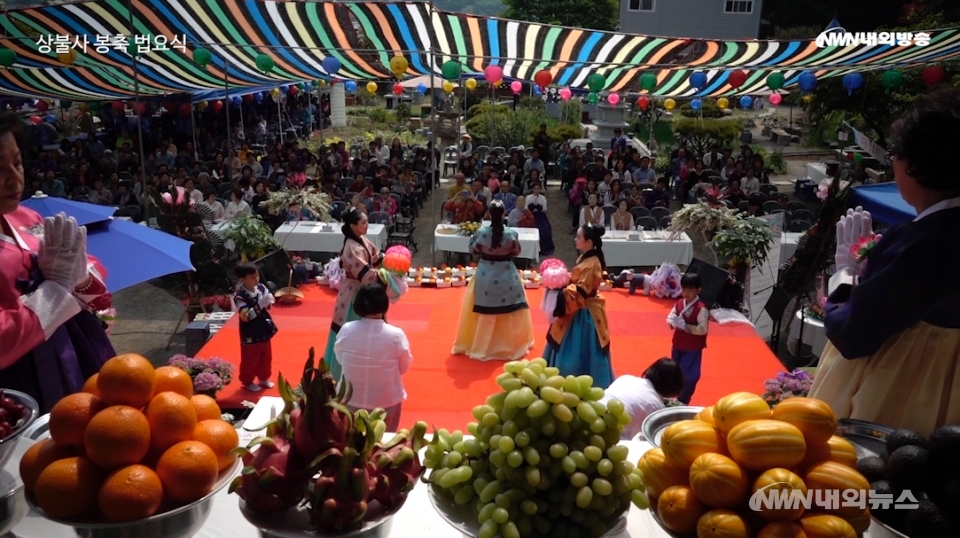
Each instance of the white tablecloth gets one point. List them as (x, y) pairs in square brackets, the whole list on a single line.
[(816, 171), (416, 518), (309, 236), (788, 245), (654, 249), (529, 241), (814, 334)]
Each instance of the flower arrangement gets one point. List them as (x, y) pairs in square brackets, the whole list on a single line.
[(787, 385), (665, 281), (297, 180), (746, 241), (182, 203), (314, 201), (861, 249), (398, 260), (209, 376), (817, 310), (703, 218), (823, 188), (468, 228), (554, 274)]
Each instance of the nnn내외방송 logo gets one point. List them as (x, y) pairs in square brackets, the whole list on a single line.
[(838, 37)]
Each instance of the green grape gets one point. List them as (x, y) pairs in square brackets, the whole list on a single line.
[(554, 382), (500, 515), (510, 384), (495, 440), (598, 502), (454, 458), (502, 501), (509, 413), (598, 425), (597, 441), (615, 406), (610, 421), (479, 484), (486, 512), (464, 495), (551, 371), (623, 419), (501, 474), (503, 377), (538, 408), (586, 383), (569, 466), (513, 367), (593, 453), (598, 407), (455, 476), (635, 480), (531, 455), (525, 525), (496, 401), (602, 487), (580, 459), (571, 385), (542, 525), (592, 518), (548, 425), (481, 410), (490, 419), (497, 457), (555, 468), (522, 439), (527, 397), (640, 499), (456, 437), (586, 412), (536, 367), (551, 395), (433, 452), (570, 400), (562, 412), (509, 530), (558, 450), (584, 497), (618, 453), (579, 479), (566, 509), (505, 444), (578, 516), (492, 490), (473, 428), (528, 507), (531, 378), (594, 394), (539, 361), (515, 459), (621, 484), (611, 437), (488, 529), (533, 476), (510, 429), (604, 467), (472, 448)]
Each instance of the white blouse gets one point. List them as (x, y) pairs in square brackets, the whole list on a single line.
[(373, 355), (235, 209), (639, 399)]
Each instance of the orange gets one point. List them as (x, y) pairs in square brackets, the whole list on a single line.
[(221, 437), (38, 457), (188, 471), (117, 436), (680, 510), (172, 419), (126, 380), (70, 416), (130, 493), (90, 385), (173, 379), (67, 488), (206, 407)]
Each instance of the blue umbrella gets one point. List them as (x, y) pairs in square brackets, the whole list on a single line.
[(133, 253), (48, 206)]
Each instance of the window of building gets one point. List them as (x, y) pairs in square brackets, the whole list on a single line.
[(641, 5), (738, 6)]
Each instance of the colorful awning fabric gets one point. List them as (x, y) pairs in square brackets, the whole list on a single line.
[(364, 36)]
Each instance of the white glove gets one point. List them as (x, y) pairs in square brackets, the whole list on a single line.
[(852, 227), (81, 269), (59, 251), (680, 325), (266, 300)]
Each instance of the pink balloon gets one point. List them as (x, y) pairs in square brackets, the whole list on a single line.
[(516, 86), (775, 99), (35, 120), (565, 94), (613, 99), (493, 74)]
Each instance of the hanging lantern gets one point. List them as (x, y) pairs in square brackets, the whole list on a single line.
[(775, 81), (613, 99), (202, 57), (258, 97), (807, 81), (118, 106), (50, 118), (696, 104), (217, 106), (399, 65), (669, 104), (852, 82), (737, 78), (592, 98), (42, 106), (248, 98), (350, 86), (775, 99), (96, 106), (36, 120), (83, 107), (202, 105), (746, 102), (493, 73), (398, 89), (648, 81), (698, 80), (67, 58), (643, 102), (516, 86), (186, 109), (596, 82), (236, 100), (565, 94), (372, 87), (451, 70), (330, 65), (933, 75), (471, 84), (422, 88), (447, 86), (892, 79), (265, 63), (543, 78), (7, 57), (723, 103)]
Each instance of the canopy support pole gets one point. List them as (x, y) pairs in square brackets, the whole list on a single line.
[(226, 100), (280, 118), (434, 168), (193, 125), (136, 101)]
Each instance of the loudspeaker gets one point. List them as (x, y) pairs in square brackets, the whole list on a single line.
[(713, 279), (275, 270)]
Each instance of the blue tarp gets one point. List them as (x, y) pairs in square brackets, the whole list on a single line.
[(884, 203), (213, 95)]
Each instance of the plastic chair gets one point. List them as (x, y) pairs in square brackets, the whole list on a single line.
[(336, 209), (639, 212), (771, 205), (743, 206), (645, 186), (451, 158), (768, 189), (403, 234), (647, 223), (379, 217), (481, 153), (608, 211), (793, 206), (659, 212), (804, 214), (799, 226), (787, 217), (665, 222)]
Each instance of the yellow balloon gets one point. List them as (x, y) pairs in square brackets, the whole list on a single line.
[(471, 83), (275, 92), (723, 103), (323, 83), (83, 107), (202, 105), (447, 86), (399, 65), (807, 98), (67, 58), (372, 87), (669, 104)]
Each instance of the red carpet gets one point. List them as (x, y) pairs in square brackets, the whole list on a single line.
[(442, 388)]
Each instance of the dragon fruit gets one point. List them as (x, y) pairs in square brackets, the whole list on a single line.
[(398, 466), (273, 475), (321, 420)]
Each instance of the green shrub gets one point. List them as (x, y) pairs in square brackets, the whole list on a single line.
[(559, 133), (532, 102), (571, 112), (701, 135), (379, 115), (707, 110)]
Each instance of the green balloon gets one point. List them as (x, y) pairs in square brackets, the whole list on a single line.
[(592, 98), (301, 87), (857, 157), (7, 57), (265, 63), (66, 104), (775, 81), (202, 57), (892, 79), (95, 106), (648, 81), (596, 82), (133, 49), (451, 70)]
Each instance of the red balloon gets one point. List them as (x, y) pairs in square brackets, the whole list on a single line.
[(118, 106), (186, 109), (543, 78), (398, 89), (248, 98), (933, 75), (217, 106), (294, 90), (35, 120), (737, 78), (169, 107), (643, 102), (42, 106), (143, 108)]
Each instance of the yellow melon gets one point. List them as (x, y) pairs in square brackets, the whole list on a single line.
[(706, 416), (680, 510), (778, 486), (764, 444), (837, 449), (684, 441), (658, 475), (811, 416), (723, 524), (782, 529), (860, 523), (826, 526), (836, 478), (718, 481), (739, 407)]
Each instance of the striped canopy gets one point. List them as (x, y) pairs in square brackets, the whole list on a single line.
[(365, 36)]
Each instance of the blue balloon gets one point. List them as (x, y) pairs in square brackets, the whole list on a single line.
[(285, 89), (807, 81), (537, 90), (696, 104), (145, 124), (237, 100), (258, 97), (698, 80), (746, 101), (50, 118), (331, 65), (350, 86), (422, 88), (852, 81)]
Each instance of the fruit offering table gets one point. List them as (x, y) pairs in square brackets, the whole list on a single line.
[(446, 239)]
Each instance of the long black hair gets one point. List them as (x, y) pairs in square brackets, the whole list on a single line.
[(594, 232), (496, 221), (351, 216)]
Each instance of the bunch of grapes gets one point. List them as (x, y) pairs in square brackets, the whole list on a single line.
[(11, 413), (544, 459)]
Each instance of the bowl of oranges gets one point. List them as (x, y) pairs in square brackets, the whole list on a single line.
[(134, 454)]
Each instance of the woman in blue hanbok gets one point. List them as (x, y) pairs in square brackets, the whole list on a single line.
[(537, 204)]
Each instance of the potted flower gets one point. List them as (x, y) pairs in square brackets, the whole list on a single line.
[(209, 376), (787, 385), (744, 243), (250, 237)]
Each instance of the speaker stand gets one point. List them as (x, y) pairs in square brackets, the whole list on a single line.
[(193, 306)]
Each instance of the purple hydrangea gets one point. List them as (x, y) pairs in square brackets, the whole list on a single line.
[(786, 385), (206, 382), (180, 361)]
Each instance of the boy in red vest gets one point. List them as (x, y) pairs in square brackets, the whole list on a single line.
[(689, 320)]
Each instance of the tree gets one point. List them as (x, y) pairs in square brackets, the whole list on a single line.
[(590, 14), (488, 8)]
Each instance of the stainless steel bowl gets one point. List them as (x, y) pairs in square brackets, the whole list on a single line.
[(653, 426), (13, 502), (295, 523), (8, 443), (461, 517)]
